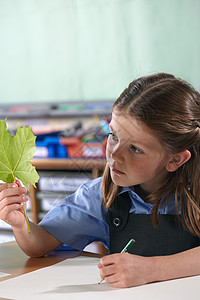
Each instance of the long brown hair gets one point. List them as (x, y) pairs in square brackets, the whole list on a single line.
[(171, 108)]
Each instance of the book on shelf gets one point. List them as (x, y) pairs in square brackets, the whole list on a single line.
[(48, 200), (66, 182)]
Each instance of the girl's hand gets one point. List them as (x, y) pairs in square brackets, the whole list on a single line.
[(126, 270), (12, 198)]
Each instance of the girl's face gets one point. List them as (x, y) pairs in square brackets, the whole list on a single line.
[(134, 154)]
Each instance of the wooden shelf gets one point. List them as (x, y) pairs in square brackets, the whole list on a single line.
[(68, 164)]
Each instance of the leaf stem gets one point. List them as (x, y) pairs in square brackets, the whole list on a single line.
[(26, 219), (25, 215)]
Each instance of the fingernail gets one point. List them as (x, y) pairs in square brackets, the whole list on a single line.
[(23, 189), (14, 185), (25, 198)]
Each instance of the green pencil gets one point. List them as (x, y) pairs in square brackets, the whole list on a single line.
[(125, 249), (128, 246)]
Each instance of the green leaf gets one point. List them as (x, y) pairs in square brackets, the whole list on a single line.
[(15, 155)]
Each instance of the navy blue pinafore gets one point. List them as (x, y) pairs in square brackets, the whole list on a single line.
[(168, 237)]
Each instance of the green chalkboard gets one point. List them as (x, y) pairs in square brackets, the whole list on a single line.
[(82, 50)]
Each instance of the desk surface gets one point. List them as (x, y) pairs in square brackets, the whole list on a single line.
[(14, 262), (76, 279)]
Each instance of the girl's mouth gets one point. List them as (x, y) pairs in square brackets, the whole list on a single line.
[(116, 171)]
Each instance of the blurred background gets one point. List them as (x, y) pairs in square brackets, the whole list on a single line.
[(58, 50), (64, 62)]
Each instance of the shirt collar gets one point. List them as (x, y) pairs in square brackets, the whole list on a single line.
[(140, 206)]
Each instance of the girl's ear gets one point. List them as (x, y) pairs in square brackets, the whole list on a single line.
[(177, 160)]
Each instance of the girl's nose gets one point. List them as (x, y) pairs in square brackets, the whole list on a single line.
[(117, 155)]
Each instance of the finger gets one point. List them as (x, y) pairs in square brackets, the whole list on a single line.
[(118, 284), (100, 266), (109, 259), (18, 182), (112, 279), (116, 280), (4, 186), (7, 201), (108, 270), (14, 191), (10, 208), (107, 273)]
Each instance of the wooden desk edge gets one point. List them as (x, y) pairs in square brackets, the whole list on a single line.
[(14, 262)]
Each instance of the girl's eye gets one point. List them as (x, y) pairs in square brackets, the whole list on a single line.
[(136, 150), (113, 136)]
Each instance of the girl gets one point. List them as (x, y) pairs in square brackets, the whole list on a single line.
[(149, 190)]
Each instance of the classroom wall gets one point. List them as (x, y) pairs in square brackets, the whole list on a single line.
[(91, 49)]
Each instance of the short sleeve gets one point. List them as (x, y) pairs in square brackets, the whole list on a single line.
[(80, 218)]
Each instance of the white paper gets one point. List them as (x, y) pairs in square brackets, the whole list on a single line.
[(2, 274), (77, 279)]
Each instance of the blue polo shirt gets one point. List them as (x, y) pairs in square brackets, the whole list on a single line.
[(81, 217)]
